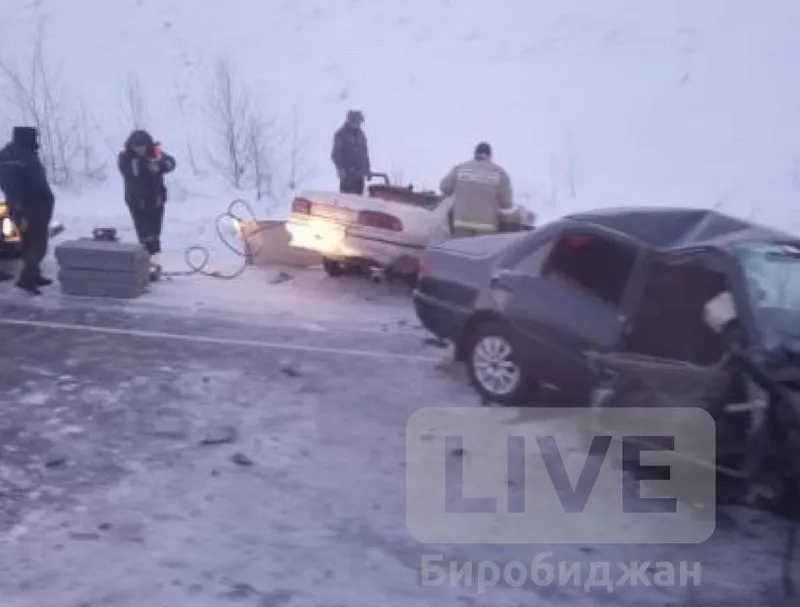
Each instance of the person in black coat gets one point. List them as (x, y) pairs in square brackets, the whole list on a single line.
[(30, 202), (350, 154), (143, 165)]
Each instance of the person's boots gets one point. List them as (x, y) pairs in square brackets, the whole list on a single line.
[(28, 286), (5, 276), (29, 281), (43, 282)]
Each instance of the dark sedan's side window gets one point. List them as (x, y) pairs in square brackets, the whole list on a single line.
[(533, 262), (593, 264)]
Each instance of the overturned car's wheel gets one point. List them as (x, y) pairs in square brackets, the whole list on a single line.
[(494, 366), (333, 268)]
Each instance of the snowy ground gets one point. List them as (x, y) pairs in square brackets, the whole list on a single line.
[(259, 295), (109, 498)]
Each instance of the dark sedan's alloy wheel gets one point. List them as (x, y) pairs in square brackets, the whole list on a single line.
[(493, 366)]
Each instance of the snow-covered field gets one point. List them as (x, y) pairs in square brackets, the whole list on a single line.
[(587, 103)]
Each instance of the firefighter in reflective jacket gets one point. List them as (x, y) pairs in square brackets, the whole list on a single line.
[(480, 190)]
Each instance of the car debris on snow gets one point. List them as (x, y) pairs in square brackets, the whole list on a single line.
[(219, 435), (55, 462), (281, 277), (84, 536), (436, 342), (289, 368), (241, 459)]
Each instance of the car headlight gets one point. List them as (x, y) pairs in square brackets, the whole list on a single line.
[(7, 227)]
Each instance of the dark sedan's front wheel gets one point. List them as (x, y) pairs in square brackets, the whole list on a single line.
[(494, 365)]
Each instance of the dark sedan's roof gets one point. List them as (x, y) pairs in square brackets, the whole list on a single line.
[(678, 228)]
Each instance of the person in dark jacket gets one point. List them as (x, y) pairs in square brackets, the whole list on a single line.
[(30, 202), (350, 154), (143, 165)]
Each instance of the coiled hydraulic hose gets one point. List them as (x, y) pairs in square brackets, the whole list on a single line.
[(197, 257)]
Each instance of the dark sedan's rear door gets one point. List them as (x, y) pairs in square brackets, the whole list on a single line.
[(554, 301)]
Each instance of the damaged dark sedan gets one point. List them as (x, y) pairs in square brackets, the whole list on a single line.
[(530, 310)]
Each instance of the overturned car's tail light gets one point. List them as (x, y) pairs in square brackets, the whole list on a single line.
[(302, 206), (382, 221)]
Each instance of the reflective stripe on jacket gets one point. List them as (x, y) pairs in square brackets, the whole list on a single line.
[(474, 226), (480, 189)]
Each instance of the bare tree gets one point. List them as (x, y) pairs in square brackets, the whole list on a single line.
[(397, 176), (133, 105), (91, 167), (297, 169), (35, 103), (180, 99), (247, 142), (230, 118), (35, 98), (261, 144)]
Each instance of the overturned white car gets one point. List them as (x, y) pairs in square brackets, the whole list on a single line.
[(384, 231)]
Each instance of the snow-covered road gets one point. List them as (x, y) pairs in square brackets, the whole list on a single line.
[(109, 496)]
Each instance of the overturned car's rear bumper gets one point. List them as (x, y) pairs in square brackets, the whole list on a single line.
[(343, 243)]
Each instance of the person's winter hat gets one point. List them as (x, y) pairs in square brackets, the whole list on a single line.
[(483, 150), (27, 136), (355, 117), (140, 138)]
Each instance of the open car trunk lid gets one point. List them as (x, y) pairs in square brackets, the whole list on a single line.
[(332, 205)]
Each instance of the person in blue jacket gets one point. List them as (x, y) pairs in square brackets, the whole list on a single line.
[(30, 202)]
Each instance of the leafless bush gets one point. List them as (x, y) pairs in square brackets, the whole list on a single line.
[(231, 119), (181, 99), (90, 165), (249, 147), (261, 153), (297, 167), (133, 105), (397, 176), (34, 98)]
